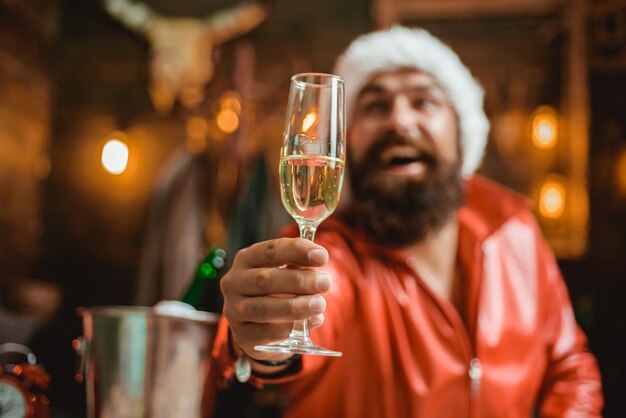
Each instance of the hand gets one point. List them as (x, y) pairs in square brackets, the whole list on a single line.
[(254, 311)]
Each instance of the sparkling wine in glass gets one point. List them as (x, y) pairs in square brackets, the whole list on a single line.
[(312, 162)]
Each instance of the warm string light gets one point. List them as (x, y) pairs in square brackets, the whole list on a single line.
[(227, 118), (115, 155), (544, 134), (227, 121), (199, 128), (552, 198), (230, 100), (545, 127)]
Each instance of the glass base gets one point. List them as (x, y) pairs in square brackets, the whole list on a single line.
[(297, 346)]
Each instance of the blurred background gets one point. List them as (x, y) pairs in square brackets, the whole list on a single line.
[(116, 175)]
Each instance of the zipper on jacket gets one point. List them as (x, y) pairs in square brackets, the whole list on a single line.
[(475, 368), (466, 341), (475, 372)]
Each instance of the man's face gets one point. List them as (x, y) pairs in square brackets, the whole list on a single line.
[(404, 157)]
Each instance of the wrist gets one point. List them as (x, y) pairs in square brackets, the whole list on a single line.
[(246, 365), (280, 363)]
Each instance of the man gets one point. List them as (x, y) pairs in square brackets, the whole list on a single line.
[(445, 299)]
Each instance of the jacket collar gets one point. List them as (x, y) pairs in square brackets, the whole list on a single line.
[(487, 207)]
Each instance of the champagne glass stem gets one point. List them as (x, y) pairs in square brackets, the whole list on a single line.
[(307, 231), (300, 331)]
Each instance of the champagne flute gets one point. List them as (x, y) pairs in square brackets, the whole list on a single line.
[(312, 160)]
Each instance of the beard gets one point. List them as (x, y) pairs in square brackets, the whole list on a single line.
[(400, 210)]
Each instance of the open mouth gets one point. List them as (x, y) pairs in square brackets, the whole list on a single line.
[(401, 158)]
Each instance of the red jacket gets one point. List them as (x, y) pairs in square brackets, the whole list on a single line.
[(408, 353)]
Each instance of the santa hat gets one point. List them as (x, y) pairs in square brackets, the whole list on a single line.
[(400, 47)]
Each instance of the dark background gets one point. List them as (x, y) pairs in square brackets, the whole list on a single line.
[(70, 74)]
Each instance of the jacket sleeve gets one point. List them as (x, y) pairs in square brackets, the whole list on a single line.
[(572, 385)]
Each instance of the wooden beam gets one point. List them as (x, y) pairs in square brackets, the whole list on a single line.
[(576, 107), (390, 11)]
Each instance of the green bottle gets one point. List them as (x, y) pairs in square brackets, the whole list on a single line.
[(203, 293)]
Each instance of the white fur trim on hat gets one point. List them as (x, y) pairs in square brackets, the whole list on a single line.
[(400, 47)]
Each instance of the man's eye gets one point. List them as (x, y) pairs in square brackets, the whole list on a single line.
[(375, 107), (424, 103)]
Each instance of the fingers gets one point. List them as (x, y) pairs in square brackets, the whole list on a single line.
[(272, 281), (256, 312), (270, 309), (279, 252), (259, 334)]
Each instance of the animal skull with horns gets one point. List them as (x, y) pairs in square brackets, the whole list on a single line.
[(181, 48)]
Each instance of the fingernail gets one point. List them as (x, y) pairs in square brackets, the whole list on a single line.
[(316, 320), (322, 281), (317, 305), (318, 256)]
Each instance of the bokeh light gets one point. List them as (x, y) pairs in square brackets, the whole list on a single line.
[(227, 121), (552, 199), (545, 128), (115, 156)]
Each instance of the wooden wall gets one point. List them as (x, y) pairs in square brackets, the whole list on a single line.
[(26, 30)]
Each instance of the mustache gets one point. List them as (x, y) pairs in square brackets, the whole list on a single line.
[(424, 149)]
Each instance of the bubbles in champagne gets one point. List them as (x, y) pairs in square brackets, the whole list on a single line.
[(310, 186)]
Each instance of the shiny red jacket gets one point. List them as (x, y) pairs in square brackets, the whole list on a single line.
[(408, 353)]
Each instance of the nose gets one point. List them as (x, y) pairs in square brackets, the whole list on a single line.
[(403, 119)]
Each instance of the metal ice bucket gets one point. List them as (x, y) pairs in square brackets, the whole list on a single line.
[(140, 363)]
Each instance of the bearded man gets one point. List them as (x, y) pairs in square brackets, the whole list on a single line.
[(446, 301)]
